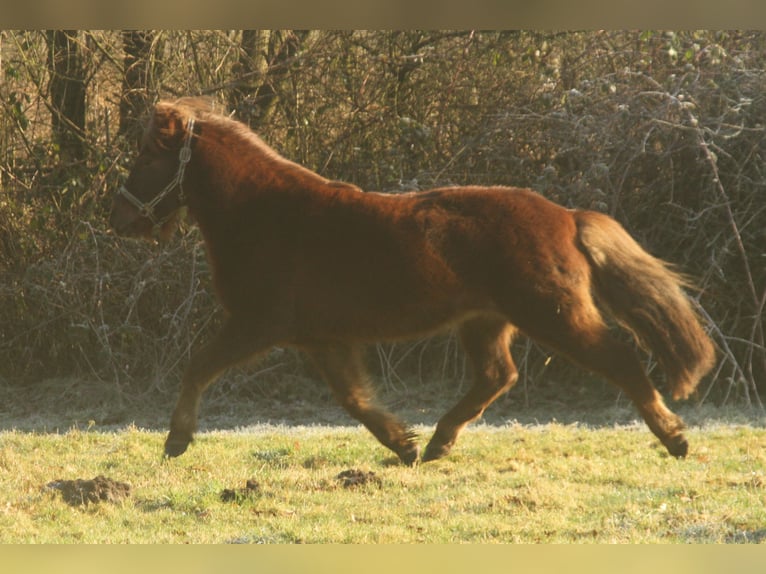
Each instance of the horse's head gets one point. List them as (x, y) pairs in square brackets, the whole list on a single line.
[(154, 192)]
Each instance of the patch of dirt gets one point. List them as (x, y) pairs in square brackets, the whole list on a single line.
[(82, 492), (353, 477), (251, 489)]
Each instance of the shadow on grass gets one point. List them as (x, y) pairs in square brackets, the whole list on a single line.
[(58, 406)]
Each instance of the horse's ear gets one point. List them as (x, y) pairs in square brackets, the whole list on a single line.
[(168, 125)]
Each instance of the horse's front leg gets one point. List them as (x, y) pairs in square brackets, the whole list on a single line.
[(486, 341), (233, 345), (342, 367)]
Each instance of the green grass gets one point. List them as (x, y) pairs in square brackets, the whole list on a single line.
[(514, 483)]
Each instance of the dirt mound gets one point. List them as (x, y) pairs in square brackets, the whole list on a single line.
[(80, 491), (238, 494), (352, 477)]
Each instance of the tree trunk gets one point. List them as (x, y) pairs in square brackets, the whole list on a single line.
[(139, 69), (250, 68), (255, 104), (67, 94)]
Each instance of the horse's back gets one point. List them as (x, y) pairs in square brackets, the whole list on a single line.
[(418, 261), (513, 234)]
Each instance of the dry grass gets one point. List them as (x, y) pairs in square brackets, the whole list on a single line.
[(513, 483)]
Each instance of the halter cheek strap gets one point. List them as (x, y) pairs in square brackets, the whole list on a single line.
[(147, 209)]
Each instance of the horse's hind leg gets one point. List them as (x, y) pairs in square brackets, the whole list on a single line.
[(619, 363), (342, 367), (581, 334), (487, 342), (233, 345)]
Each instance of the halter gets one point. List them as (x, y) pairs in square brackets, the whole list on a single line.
[(147, 209)]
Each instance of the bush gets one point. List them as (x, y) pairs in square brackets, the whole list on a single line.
[(664, 131)]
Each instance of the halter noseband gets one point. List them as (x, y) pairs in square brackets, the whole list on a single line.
[(147, 209)]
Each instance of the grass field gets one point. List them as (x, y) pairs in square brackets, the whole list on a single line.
[(504, 483)]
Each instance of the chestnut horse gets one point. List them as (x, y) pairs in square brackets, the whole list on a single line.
[(319, 265)]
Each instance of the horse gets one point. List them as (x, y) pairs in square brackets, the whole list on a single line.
[(321, 266)]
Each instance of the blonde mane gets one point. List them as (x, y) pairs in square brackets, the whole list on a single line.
[(206, 111)]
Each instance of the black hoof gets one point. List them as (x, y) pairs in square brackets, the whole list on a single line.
[(410, 456), (678, 446), (176, 446), (435, 452)]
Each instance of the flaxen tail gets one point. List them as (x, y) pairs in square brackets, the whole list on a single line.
[(647, 297)]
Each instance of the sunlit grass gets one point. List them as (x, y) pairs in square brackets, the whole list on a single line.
[(517, 483)]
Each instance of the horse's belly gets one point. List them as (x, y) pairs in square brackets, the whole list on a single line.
[(389, 320)]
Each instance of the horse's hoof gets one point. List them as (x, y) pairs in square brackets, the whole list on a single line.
[(175, 446), (410, 456), (435, 452), (678, 446)]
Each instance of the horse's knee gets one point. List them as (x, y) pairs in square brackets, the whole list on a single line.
[(353, 402), (496, 380), (510, 380)]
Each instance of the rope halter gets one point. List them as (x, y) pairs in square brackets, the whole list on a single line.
[(147, 209)]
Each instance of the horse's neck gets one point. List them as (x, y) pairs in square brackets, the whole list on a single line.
[(234, 177)]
